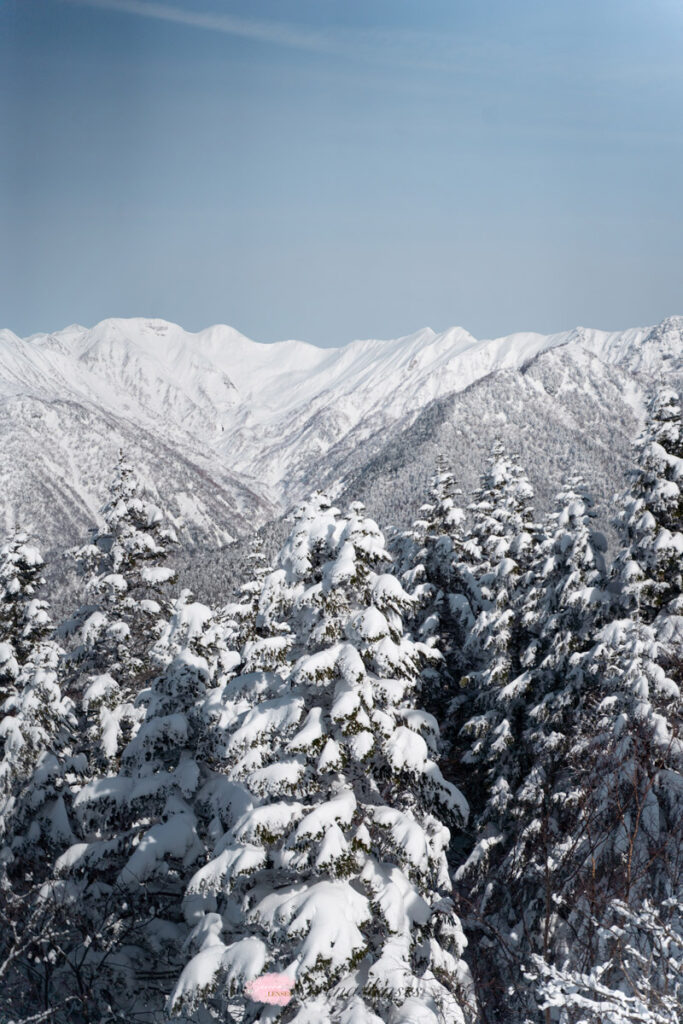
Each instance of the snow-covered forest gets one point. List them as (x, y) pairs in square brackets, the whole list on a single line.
[(426, 776)]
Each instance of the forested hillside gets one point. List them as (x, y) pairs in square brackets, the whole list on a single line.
[(414, 774)]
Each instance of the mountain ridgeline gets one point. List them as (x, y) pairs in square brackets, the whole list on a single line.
[(230, 433)]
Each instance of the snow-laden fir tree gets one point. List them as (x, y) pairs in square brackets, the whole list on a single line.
[(503, 532), (489, 716), (36, 726), (35, 774), (316, 611), (567, 602), (509, 879), (36, 720), (33, 710), (502, 516), (337, 876), (257, 632), (651, 565), (432, 565), (642, 942), (125, 580), (23, 618), (143, 830), (620, 889), (259, 644), (617, 945), (194, 626)]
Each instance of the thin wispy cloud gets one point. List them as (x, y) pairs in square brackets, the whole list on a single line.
[(417, 49), (276, 33), (446, 50)]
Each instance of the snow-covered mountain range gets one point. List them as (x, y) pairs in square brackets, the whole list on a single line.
[(230, 431)]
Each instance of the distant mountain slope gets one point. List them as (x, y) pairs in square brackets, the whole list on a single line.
[(232, 431), (565, 413), (57, 457)]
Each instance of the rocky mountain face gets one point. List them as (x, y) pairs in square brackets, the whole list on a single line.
[(229, 433)]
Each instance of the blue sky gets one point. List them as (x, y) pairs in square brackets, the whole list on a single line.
[(334, 169)]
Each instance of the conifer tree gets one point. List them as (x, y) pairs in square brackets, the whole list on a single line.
[(649, 568), (143, 830), (33, 711), (125, 580), (503, 533), (23, 618), (618, 891), (621, 885), (36, 726), (433, 566), (105, 672), (646, 944), (568, 604), (337, 875), (509, 878), (263, 640)]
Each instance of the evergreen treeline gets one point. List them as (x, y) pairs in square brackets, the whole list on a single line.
[(431, 780)]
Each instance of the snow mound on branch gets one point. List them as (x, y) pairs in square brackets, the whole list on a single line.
[(240, 962), (329, 913)]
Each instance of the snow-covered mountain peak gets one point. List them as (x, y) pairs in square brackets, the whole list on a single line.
[(264, 414), (666, 338), (253, 365)]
